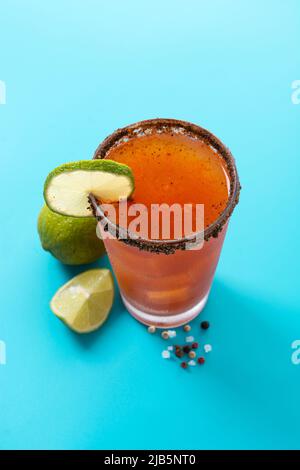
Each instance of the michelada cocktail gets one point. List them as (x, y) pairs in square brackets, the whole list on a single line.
[(165, 281)]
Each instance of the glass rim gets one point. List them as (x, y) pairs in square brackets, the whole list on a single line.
[(165, 125)]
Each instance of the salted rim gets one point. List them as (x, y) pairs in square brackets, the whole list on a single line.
[(161, 125)]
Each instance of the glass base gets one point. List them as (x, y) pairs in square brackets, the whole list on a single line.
[(166, 321)]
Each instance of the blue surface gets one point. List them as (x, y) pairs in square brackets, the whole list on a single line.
[(75, 71)]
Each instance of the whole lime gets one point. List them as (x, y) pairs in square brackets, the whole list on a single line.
[(71, 240)]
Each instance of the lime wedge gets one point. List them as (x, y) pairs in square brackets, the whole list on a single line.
[(84, 303), (67, 187)]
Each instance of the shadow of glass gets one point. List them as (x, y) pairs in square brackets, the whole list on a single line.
[(251, 358)]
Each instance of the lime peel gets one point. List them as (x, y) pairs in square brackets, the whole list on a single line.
[(67, 187)]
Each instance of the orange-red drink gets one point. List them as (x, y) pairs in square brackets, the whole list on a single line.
[(163, 282)]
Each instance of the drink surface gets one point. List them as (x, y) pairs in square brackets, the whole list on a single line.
[(175, 168)]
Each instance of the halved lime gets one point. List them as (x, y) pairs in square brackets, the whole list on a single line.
[(72, 240), (84, 302), (67, 187)]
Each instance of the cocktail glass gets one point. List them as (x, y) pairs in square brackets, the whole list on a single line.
[(164, 283)]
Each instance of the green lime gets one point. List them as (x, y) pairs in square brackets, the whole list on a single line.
[(67, 187), (84, 303), (72, 240)]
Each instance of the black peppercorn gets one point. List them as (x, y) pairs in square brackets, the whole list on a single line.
[(205, 325)]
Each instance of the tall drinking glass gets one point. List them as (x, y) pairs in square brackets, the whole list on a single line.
[(163, 282)]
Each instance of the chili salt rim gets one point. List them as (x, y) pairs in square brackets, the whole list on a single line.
[(172, 126)]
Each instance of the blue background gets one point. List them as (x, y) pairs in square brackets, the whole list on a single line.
[(75, 71)]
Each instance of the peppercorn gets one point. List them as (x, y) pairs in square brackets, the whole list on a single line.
[(186, 349), (187, 328), (165, 335), (205, 325), (201, 360), (151, 329), (184, 365), (195, 345), (192, 354), (179, 353)]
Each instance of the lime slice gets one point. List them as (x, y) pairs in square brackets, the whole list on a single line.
[(84, 303), (67, 187)]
